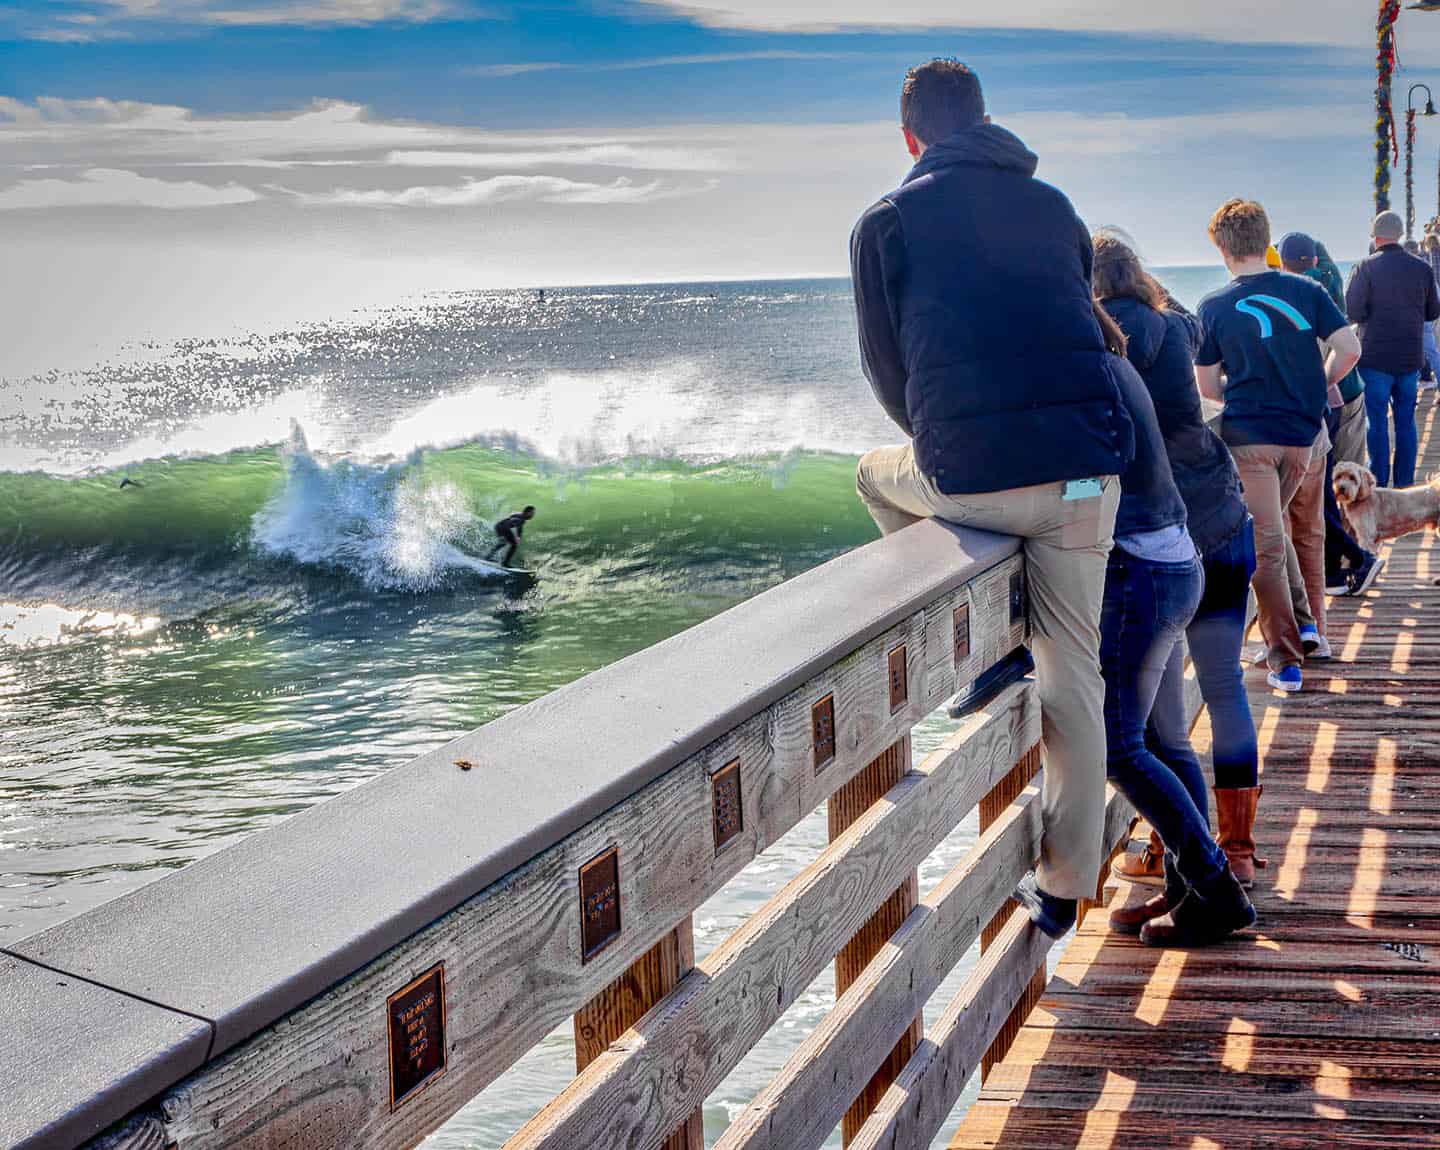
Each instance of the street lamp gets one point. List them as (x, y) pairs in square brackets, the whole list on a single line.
[(1410, 152)]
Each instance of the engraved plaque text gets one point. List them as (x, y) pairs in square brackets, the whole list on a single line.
[(599, 903), (899, 679), (962, 633), (725, 798), (822, 731), (417, 1035)]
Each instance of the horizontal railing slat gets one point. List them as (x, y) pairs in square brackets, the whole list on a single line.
[(666, 1065)]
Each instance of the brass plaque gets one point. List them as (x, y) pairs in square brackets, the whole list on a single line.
[(822, 731), (725, 798), (599, 903), (962, 634), (417, 1035), (1017, 596), (899, 679)]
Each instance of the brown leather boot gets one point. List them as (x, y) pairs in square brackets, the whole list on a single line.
[(1147, 867), (1235, 811), (1129, 919), (1202, 919)]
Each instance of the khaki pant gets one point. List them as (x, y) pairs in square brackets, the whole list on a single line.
[(1067, 543), (1351, 443), (1284, 490)]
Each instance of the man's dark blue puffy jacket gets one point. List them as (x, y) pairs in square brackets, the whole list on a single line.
[(977, 330)]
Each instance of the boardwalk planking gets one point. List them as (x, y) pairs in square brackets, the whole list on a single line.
[(1322, 1027)]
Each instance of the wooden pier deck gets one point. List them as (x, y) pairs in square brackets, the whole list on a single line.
[(1322, 1028)]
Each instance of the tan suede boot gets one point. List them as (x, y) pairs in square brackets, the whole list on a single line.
[(1147, 867), (1235, 812)]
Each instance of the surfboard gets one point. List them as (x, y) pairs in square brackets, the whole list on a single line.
[(489, 568)]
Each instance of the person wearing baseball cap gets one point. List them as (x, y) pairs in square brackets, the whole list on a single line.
[(1392, 296), (1349, 568)]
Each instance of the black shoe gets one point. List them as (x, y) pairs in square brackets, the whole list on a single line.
[(1363, 577), (1053, 915), (1202, 919)]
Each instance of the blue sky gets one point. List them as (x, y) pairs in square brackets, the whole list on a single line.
[(318, 153)]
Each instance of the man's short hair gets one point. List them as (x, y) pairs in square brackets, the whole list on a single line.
[(1240, 229), (939, 99)]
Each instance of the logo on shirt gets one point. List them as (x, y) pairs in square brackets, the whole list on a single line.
[(1255, 306)]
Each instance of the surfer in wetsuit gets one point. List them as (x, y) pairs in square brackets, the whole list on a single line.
[(510, 529)]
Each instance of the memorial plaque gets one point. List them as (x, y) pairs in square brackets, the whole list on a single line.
[(899, 679), (417, 1035), (1017, 596), (599, 903), (822, 731), (962, 634), (725, 797)]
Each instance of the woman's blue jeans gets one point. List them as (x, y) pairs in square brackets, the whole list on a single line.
[(1382, 392), (1215, 635), (1147, 607)]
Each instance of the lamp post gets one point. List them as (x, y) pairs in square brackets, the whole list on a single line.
[(1410, 152), (1385, 141)]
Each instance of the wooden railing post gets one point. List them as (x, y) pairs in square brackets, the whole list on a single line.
[(1005, 792), (846, 805), (619, 1006)]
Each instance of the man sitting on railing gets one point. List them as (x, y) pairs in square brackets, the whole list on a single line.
[(972, 287)]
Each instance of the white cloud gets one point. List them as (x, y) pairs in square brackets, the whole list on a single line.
[(499, 189), (104, 19), (108, 187), (648, 62), (605, 155), (1240, 21)]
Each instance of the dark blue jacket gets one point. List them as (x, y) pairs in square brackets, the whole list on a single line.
[(972, 288), (1149, 499), (1392, 295), (1162, 349)]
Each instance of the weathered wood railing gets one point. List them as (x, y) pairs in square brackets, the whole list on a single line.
[(355, 975)]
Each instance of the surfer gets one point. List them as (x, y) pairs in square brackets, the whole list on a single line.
[(126, 481), (510, 529)]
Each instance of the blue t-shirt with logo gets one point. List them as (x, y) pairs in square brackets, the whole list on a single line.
[(1264, 329)]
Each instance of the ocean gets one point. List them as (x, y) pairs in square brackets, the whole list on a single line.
[(236, 575)]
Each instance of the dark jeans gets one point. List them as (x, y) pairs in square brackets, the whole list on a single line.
[(1147, 607), (1382, 392), (1216, 635), (1340, 545)]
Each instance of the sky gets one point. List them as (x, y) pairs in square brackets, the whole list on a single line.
[(197, 166)]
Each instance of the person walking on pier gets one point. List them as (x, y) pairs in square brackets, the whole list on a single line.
[(972, 292), (1158, 344), (1153, 584), (1349, 568), (1392, 296), (1259, 355)]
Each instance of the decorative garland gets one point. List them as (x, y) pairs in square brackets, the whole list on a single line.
[(1409, 172), (1385, 134)]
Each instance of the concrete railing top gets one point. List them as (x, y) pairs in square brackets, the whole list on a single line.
[(111, 1007)]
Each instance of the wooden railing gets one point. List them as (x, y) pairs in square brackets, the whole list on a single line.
[(355, 975)]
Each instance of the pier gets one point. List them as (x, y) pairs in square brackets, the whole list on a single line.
[(355, 975)]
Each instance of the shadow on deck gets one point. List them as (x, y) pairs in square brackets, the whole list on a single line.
[(1322, 1027)]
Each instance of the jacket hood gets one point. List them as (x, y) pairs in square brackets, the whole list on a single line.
[(984, 145), (1144, 328)]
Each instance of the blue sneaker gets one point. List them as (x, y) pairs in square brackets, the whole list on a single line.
[(1055, 916), (1315, 645), (1289, 680)]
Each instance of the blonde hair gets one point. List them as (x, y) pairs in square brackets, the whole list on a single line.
[(1431, 242)]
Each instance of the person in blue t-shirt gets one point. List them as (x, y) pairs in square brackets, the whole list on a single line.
[(1274, 348)]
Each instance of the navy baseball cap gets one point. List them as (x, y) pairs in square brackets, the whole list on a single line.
[(1297, 247)]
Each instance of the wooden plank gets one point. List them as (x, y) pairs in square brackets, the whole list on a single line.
[(621, 1004), (807, 1098), (916, 1106), (328, 1052), (846, 807), (681, 1051)]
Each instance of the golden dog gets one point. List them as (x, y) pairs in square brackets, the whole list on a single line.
[(1377, 513)]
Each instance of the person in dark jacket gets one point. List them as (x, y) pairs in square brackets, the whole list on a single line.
[(972, 294), (1351, 436), (1349, 568), (1392, 295), (1161, 348), (1153, 585)]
